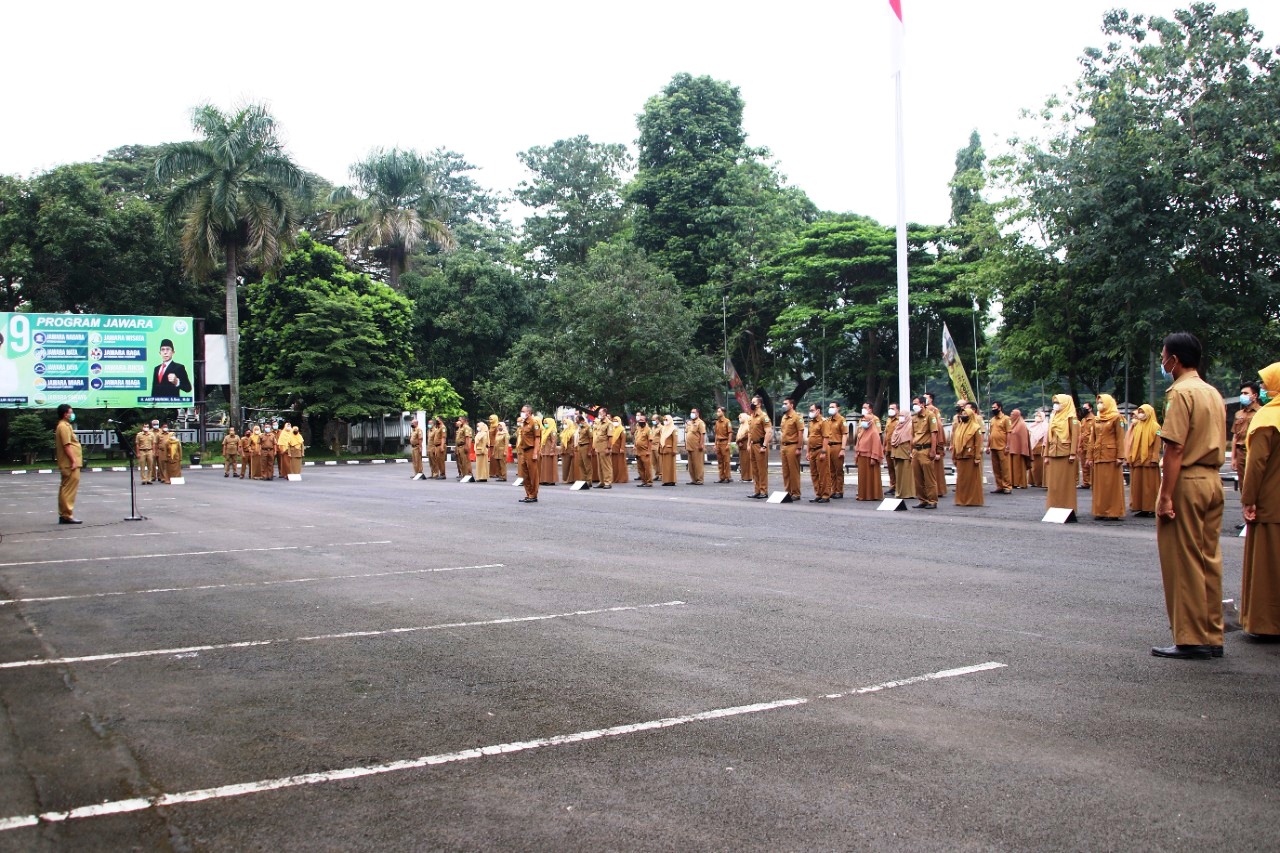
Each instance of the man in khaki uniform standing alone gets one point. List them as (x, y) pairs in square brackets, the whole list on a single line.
[(998, 444), (529, 444), (70, 461), (600, 443), (415, 447), (1189, 507), (723, 435), (144, 446), (791, 437), (695, 446)]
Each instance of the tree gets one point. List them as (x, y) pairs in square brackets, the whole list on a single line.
[(436, 397), (468, 310), (324, 339), (29, 437), (1151, 204), (839, 281), (613, 332), (710, 211), (576, 196), (232, 199), (394, 205)]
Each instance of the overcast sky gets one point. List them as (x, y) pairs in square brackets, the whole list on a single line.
[(489, 79)]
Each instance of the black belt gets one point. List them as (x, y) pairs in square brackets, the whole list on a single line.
[(922, 446), (785, 443), (833, 444)]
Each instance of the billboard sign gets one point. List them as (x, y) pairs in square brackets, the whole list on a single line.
[(96, 361)]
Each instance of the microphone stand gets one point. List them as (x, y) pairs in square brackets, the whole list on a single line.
[(133, 493)]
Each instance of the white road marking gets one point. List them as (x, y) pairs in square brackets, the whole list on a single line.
[(4, 601), (184, 554), (238, 790), (155, 533), (347, 635)]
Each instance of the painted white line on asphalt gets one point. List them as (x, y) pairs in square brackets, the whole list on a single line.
[(4, 601), (148, 556), (155, 533), (238, 790), (347, 635)]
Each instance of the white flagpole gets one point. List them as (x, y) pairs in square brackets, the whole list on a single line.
[(904, 331)]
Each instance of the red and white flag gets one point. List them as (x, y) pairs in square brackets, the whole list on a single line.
[(898, 36)]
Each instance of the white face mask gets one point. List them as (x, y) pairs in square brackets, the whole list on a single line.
[(831, 411), (916, 408), (893, 413), (693, 416), (813, 416), (1057, 407)]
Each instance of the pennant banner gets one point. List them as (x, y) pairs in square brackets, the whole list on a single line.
[(898, 36), (735, 384), (955, 369)]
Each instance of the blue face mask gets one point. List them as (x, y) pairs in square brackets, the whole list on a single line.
[(72, 417), (1164, 373), (1245, 399)]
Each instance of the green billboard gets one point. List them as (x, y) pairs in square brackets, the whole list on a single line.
[(96, 361)]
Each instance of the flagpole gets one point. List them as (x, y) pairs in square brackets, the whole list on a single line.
[(904, 331)]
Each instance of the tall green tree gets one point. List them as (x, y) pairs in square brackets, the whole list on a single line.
[(1152, 202), (576, 198), (711, 210), (231, 197), (393, 206), (325, 340), (612, 332)]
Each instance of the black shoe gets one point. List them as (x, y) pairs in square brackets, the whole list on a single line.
[(1083, 488), (668, 484), (890, 493), (528, 500), (1106, 518), (606, 487), (824, 500), (66, 519), (1214, 651), (839, 496), (921, 505), (1185, 652), (1260, 638), (929, 506)]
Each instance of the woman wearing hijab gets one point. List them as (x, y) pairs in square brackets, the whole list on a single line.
[(900, 449), (1260, 497), (618, 451), (1019, 449), (1060, 454), (548, 451), (567, 433), (966, 455), (1142, 450), (481, 445), (1039, 434), (869, 451), (667, 451), (744, 458), (1105, 460)]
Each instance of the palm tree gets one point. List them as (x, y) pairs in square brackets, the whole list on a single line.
[(393, 207), (232, 200)]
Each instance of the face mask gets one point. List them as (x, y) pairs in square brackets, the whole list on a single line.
[(693, 416), (964, 418), (1246, 399), (916, 408), (893, 413), (1164, 373), (995, 412), (72, 418), (1057, 407), (1264, 396), (831, 411), (866, 424)]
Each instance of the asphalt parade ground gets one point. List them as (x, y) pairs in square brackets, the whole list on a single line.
[(360, 661)]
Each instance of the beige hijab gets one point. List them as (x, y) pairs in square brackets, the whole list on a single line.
[(668, 427)]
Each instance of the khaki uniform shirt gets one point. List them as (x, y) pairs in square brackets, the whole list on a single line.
[(998, 438), (923, 427), (817, 435), (463, 438), (143, 443), (530, 435), (757, 429), (695, 435), (792, 428), (63, 435), (230, 446), (600, 435), (1240, 428), (838, 432), (643, 440), (1196, 418), (724, 430), (415, 437)]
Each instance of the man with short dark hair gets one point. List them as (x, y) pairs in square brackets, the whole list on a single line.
[(170, 378), (723, 435), (1249, 406), (998, 445), (70, 461), (1189, 506), (529, 443), (792, 445)]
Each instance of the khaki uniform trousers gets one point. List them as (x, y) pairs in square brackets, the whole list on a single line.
[(1191, 558), (697, 464), (836, 464), (1001, 469), (923, 474), (724, 460), (146, 466), (820, 474), (529, 470), (760, 469), (644, 466), (416, 456), (67, 491), (604, 460), (791, 469)]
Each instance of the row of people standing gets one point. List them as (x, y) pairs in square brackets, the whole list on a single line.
[(262, 451), (159, 454)]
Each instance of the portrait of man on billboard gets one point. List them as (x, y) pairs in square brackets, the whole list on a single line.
[(169, 378)]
